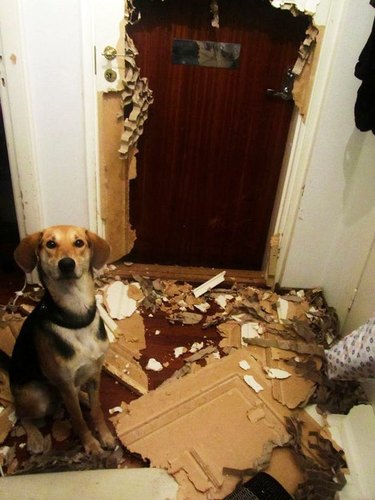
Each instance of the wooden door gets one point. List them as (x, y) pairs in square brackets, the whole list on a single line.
[(210, 157)]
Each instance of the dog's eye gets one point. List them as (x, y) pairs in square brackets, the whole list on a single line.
[(79, 243), (51, 244)]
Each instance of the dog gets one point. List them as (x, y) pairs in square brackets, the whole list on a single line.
[(62, 343)]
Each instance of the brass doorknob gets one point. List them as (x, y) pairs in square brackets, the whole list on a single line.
[(109, 53)]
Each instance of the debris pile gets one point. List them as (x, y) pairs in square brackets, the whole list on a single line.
[(212, 409)]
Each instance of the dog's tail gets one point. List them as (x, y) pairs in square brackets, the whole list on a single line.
[(4, 361)]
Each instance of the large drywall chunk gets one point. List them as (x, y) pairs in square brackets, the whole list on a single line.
[(195, 426)]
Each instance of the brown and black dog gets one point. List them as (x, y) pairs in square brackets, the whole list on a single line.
[(61, 346)]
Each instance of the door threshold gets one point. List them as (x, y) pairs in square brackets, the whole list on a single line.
[(189, 274)]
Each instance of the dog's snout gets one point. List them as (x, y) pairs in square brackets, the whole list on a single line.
[(66, 265)]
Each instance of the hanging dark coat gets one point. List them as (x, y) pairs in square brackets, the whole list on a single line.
[(364, 110)]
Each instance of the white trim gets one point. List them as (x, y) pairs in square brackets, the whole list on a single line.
[(303, 140), (19, 130), (90, 116)]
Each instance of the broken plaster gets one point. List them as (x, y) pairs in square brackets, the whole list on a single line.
[(136, 96), (307, 7)]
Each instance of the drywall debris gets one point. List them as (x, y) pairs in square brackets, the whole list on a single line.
[(208, 285), (203, 307), (244, 364), (196, 346), (251, 382), (154, 365), (136, 96), (179, 351), (214, 8), (120, 363), (202, 353), (187, 318), (132, 331), (249, 331), (305, 50), (231, 335), (165, 426), (291, 310), (288, 345), (7, 421), (323, 478), (135, 292), (117, 300), (277, 373), (297, 7), (223, 299)]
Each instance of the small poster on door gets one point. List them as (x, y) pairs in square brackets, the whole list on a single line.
[(209, 54)]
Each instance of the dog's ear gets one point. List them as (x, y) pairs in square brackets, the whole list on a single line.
[(26, 254), (99, 248)]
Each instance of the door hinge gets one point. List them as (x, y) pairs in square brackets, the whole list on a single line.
[(273, 255)]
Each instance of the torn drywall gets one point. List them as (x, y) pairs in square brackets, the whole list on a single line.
[(115, 174), (136, 96), (307, 7), (196, 453)]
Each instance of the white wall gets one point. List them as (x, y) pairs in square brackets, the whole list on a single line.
[(335, 226), (53, 50), (46, 39)]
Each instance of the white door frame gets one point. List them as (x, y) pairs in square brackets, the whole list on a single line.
[(303, 135)]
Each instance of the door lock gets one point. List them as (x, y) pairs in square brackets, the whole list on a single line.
[(110, 75)]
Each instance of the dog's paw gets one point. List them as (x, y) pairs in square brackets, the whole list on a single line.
[(92, 446), (107, 440)]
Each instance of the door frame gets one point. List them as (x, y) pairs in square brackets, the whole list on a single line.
[(302, 136), (16, 103)]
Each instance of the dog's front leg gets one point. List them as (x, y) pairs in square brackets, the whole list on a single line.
[(71, 400), (105, 435)]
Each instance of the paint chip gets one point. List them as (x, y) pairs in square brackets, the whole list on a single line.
[(179, 351), (251, 382), (244, 364), (277, 373), (154, 365)]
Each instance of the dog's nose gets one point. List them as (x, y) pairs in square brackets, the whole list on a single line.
[(66, 265)]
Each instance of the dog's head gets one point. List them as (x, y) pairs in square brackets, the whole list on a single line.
[(62, 252)]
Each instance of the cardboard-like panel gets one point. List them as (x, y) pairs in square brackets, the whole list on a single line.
[(199, 424)]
